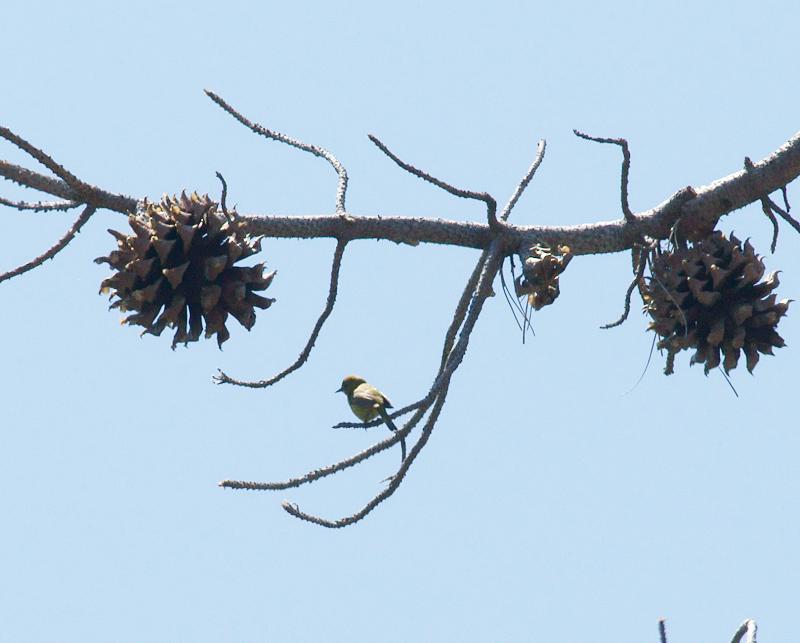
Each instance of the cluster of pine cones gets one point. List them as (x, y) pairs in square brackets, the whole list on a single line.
[(709, 297), (178, 270), (540, 274)]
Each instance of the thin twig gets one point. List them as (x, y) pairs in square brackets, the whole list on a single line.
[(784, 214), (223, 378), (51, 252), (379, 422), (59, 170), (223, 199), (785, 198), (40, 206), (766, 209), (316, 150), (491, 204), (626, 166), (750, 628), (770, 208), (316, 474), (771, 216), (461, 308), (537, 161), (636, 280), (662, 631)]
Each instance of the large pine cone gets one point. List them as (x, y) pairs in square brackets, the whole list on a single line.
[(177, 270), (708, 297)]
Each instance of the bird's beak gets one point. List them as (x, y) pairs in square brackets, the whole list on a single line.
[(339, 390)]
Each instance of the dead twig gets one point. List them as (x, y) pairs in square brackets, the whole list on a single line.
[(316, 150), (41, 206), (223, 378), (626, 166), (57, 247), (491, 204), (537, 161), (640, 266)]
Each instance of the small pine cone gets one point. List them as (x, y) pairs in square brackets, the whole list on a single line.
[(709, 297), (539, 280), (177, 270)]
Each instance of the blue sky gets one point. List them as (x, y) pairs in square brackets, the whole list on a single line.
[(552, 502)]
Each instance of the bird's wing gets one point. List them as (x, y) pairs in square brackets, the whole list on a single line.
[(369, 397)]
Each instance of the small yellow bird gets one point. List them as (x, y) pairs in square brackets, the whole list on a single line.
[(368, 403)]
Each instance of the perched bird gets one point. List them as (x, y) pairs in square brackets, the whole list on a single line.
[(368, 403)]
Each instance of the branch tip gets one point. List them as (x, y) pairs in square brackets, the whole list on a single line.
[(316, 150), (491, 204)]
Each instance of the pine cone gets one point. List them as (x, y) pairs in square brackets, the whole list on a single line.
[(177, 270), (540, 274), (709, 297)]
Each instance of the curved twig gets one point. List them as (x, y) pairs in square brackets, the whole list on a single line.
[(57, 247), (491, 204), (537, 161), (626, 166), (316, 150), (636, 280), (783, 214), (223, 378), (223, 198), (765, 208)]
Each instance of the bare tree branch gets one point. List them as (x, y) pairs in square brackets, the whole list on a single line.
[(783, 214), (40, 206), (59, 170), (223, 199), (626, 167), (316, 150), (223, 378), (491, 204), (537, 161), (698, 209), (316, 474), (55, 248), (640, 265)]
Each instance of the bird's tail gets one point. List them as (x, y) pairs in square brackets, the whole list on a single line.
[(389, 423)]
